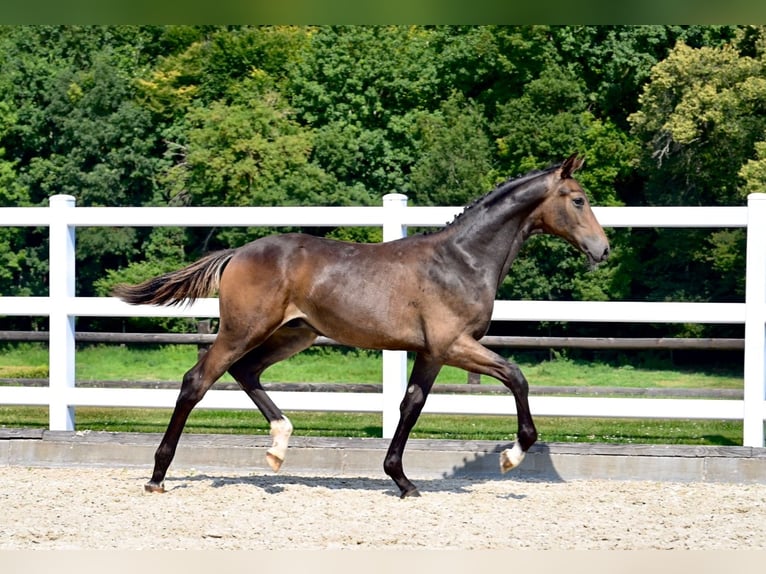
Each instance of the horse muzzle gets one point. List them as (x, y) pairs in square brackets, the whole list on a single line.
[(597, 250)]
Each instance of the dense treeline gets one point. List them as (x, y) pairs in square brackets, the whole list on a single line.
[(293, 115)]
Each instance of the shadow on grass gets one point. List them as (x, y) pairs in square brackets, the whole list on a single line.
[(719, 440)]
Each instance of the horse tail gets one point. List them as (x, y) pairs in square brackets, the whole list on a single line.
[(197, 280)]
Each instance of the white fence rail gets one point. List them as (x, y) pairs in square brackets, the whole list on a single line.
[(62, 306)]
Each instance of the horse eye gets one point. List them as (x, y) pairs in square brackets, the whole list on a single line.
[(579, 201)]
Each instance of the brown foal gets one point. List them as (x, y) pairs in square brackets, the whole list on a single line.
[(430, 294)]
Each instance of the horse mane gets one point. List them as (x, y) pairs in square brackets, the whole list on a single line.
[(504, 188)]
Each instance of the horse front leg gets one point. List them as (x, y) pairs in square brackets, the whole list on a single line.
[(470, 355), (526, 435), (423, 374)]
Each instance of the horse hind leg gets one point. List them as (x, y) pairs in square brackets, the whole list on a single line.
[(284, 343), (196, 383), (281, 431)]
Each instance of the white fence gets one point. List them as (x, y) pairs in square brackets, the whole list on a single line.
[(62, 306)]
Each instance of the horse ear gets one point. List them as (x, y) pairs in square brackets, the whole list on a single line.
[(571, 165)]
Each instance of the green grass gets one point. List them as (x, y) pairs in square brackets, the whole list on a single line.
[(457, 427), (320, 365), (328, 365)]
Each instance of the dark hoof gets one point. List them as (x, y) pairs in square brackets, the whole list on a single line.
[(154, 487), (412, 493)]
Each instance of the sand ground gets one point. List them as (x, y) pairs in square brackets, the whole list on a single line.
[(107, 508)]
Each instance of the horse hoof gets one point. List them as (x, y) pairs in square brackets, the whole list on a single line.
[(412, 493), (511, 458), (274, 461), (154, 487)]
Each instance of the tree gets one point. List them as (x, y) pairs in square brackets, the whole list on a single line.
[(454, 154), (335, 115), (702, 122), (13, 251), (700, 116), (354, 86), (615, 61), (78, 130)]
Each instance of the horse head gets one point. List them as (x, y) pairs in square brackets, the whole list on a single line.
[(565, 212)]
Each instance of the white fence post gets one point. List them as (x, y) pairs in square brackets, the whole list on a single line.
[(755, 322), (61, 349), (394, 362)]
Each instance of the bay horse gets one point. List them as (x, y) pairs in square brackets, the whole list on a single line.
[(431, 294)]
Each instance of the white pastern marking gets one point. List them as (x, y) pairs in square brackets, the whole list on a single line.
[(280, 432), (511, 458)]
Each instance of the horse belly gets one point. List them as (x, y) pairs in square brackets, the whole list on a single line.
[(368, 316)]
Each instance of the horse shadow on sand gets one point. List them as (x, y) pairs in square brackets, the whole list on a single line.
[(482, 467), (537, 466)]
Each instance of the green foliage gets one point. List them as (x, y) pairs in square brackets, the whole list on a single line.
[(357, 87), (614, 62), (76, 129), (164, 251), (701, 114), (13, 251), (753, 171), (241, 153), (702, 122), (550, 122), (23, 372), (357, 234), (454, 154), (724, 252)]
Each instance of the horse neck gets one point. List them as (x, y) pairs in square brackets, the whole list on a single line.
[(490, 233)]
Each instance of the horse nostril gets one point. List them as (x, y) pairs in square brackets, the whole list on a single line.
[(605, 254)]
